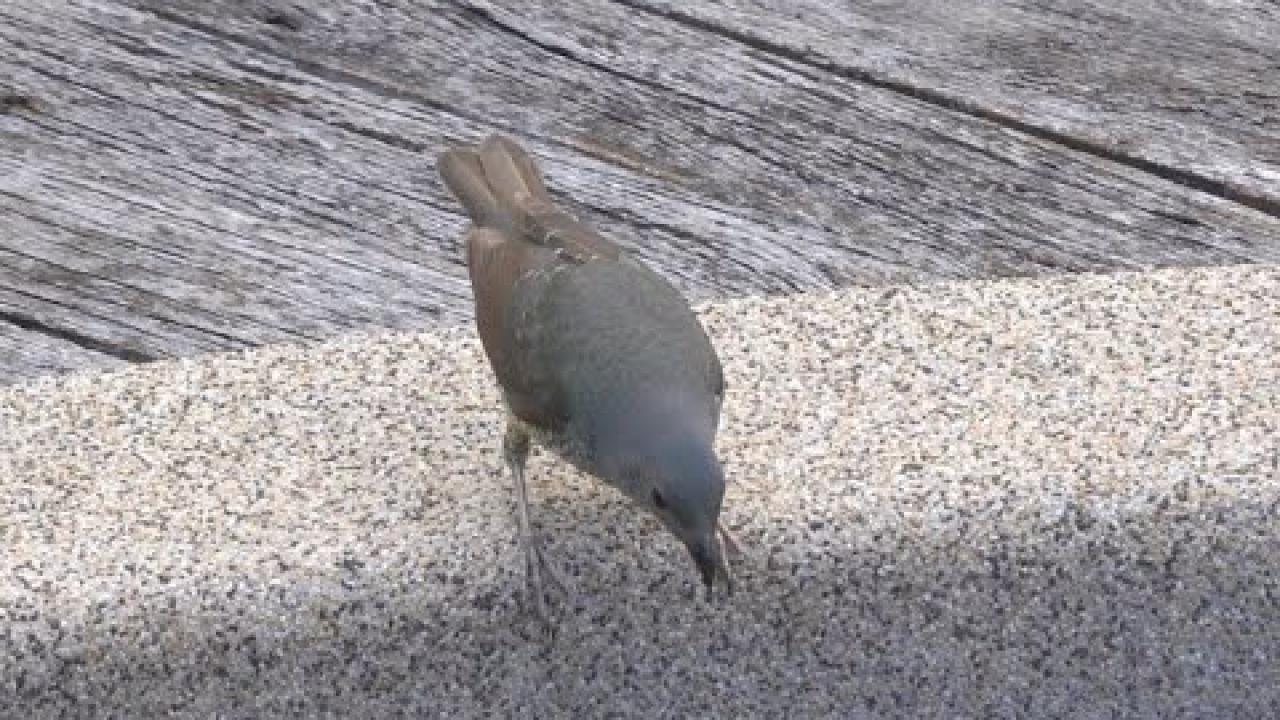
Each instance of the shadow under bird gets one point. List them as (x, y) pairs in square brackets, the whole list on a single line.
[(599, 358)]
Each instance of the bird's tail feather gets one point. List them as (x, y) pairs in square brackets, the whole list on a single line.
[(498, 183)]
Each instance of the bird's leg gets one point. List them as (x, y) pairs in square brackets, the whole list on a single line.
[(515, 449)]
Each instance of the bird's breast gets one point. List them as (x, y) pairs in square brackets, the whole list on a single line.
[(564, 444)]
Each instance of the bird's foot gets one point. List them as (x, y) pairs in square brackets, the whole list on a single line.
[(730, 550), (541, 578)]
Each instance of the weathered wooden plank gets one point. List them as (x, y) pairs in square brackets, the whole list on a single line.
[(188, 176), (1189, 89), (764, 139), (176, 225)]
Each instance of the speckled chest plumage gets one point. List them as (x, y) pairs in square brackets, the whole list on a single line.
[(568, 446)]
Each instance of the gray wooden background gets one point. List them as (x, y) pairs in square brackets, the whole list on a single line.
[(194, 175)]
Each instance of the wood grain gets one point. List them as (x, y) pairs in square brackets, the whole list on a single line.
[(179, 177), (1185, 89), (25, 353)]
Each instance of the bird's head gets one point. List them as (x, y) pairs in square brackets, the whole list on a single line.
[(676, 475), (684, 488)]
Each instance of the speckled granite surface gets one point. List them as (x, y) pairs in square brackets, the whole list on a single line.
[(1051, 498)]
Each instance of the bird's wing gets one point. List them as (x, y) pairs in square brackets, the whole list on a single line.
[(497, 264)]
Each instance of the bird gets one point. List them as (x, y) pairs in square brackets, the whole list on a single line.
[(599, 359)]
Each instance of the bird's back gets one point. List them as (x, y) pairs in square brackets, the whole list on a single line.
[(574, 328), (611, 332)]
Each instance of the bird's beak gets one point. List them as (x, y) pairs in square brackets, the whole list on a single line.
[(709, 556)]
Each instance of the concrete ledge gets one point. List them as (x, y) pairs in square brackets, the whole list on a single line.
[(1045, 498)]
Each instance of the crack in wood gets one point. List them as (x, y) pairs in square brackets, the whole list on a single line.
[(382, 136), (565, 53), (1232, 192), (26, 322), (380, 87)]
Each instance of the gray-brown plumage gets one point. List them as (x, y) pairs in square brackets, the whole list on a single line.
[(599, 358)]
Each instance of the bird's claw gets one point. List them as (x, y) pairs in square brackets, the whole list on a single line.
[(727, 539)]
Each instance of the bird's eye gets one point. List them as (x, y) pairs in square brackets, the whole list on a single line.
[(659, 501)]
